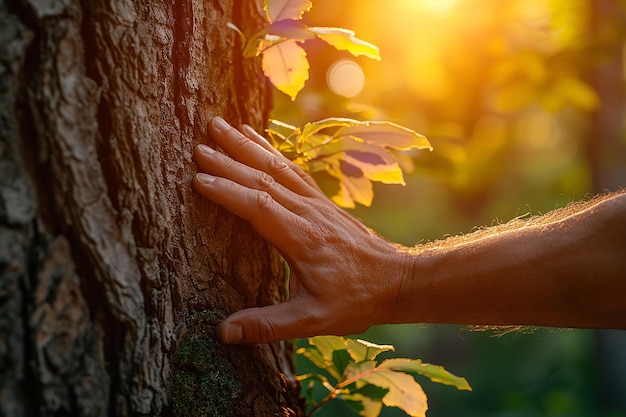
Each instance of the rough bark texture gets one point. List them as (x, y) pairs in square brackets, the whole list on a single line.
[(113, 272)]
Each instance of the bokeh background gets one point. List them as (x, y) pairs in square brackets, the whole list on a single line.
[(523, 102)]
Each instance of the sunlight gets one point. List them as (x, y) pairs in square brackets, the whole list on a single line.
[(440, 8), (346, 78)]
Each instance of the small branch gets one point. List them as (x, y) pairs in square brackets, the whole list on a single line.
[(329, 397)]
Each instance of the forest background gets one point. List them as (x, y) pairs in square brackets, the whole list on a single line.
[(523, 102)]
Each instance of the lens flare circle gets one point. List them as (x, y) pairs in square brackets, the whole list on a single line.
[(345, 78)]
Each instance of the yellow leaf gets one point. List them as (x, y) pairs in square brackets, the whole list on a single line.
[(287, 67), (436, 373), (404, 392), (371, 408), (327, 345), (375, 162), (344, 40), (359, 369), (387, 173), (276, 10), (362, 350), (386, 134), (342, 199), (312, 128), (352, 188)]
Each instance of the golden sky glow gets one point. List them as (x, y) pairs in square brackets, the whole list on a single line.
[(492, 82)]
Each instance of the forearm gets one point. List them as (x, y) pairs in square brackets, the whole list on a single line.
[(560, 270), (565, 270)]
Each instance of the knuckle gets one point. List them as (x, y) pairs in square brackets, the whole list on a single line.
[(264, 181), (264, 201), (266, 330), (276, 165), (227, 161), (229, 189)]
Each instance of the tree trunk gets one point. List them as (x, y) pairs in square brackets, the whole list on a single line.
[(113, 272), (606, 156)]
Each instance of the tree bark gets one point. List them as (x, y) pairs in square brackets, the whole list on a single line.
[(113, 272)]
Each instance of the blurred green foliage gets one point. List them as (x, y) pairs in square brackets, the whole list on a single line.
[(523, 102)]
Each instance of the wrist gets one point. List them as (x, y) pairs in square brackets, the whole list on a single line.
[(406, 282)]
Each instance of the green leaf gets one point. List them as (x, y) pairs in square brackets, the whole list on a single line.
[(286, 66), (323, 353), (341, 359), (362, 350), (386, 134), (276, 10), (371, 391), (355, 403), (344, 40), (327, 345), (434, 372), (314, 355)]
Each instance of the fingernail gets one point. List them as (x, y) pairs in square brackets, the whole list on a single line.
[(251, 132), (205, 178), (233, 333), (206, 149), (220, 124)]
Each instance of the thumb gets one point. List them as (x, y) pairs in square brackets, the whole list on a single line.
[(268, 324)]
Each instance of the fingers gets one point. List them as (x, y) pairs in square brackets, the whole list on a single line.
[(261, 141), (273, 221), (218, 164), (269, 324), (254, 155)]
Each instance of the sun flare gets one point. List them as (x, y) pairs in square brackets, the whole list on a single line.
[(439, 8)]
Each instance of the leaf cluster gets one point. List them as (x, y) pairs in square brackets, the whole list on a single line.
[(352, 373), (346, 155), (284, 61)]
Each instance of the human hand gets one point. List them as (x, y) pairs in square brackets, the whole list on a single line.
[(343, 277)]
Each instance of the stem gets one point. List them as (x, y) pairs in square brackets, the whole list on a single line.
[(329, 397), (339, 387), (355, 378)]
